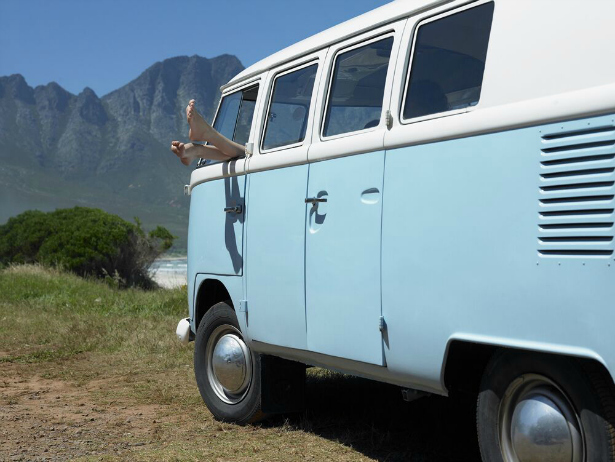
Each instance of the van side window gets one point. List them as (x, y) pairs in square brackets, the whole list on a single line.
[(357, 88), (246, 113), (289, 108), (234, 117), (227, 115), (448, 62)]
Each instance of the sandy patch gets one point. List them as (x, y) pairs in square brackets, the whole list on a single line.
[(170, 280)]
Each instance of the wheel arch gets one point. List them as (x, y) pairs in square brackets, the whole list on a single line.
[(210, 292), (472, 353)]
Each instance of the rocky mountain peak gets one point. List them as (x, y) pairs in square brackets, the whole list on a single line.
[(52, 97), (90, 107), (16, 86)]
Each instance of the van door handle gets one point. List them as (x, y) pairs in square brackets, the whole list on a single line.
[(236, 209), (314, 200)]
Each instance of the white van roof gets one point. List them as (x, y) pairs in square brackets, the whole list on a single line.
[(372, 19)]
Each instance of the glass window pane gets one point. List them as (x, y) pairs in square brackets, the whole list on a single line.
[(227, 115), (290, 108), (246, 113), (355, 100), (448, 63)]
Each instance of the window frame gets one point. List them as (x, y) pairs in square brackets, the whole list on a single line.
[(241, 87), (408, 70), (282, 73), (380, 35)]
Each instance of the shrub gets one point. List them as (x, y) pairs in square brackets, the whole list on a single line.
[(85, 241)]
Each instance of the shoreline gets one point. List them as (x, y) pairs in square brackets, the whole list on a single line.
[(170, 280)]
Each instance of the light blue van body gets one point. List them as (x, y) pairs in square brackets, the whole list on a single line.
[(503, 238)]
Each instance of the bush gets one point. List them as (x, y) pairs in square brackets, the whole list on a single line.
[(86, 241)]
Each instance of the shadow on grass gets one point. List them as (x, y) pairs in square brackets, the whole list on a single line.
[(373, 419)]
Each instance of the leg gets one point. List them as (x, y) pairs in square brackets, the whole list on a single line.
[(200, 130), (188, 152)]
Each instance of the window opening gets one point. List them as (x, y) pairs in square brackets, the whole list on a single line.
[(234, 117), (289, 108), (246, 114), (357, 89), (449, 62)]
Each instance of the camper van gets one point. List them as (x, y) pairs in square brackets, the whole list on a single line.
[(426, 199)]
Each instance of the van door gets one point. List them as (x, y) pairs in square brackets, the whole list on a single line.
[(343, 229), (343, 257), (215, 235), (277, 183)]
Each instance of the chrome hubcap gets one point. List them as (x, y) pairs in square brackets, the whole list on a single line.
[(229, 364), (537, 422)]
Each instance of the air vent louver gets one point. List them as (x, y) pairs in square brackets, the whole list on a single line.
[(577, 191)]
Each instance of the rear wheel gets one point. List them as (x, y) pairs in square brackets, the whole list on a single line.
[(227, 373), (537, 407)]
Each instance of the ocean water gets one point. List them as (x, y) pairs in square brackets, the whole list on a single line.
[(170, 272)]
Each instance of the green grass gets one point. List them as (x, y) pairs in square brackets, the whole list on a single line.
[(112, 354), (47, 315)]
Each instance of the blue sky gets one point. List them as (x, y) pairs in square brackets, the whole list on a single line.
[(103, 44)]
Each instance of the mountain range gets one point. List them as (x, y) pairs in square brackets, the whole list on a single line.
[(59, 150)]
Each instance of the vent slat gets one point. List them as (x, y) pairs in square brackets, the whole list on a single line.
[(578, 208), (594, 172), (574, 201), (579, 212), (580, 226), (582, 160), (577, 184), (575, 253), (574, 240), (570, 233), (575, 219), (579, 148)]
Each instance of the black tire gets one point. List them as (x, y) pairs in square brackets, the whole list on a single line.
[(583, 397), (243, 407)]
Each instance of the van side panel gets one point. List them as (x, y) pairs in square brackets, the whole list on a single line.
[(275, 256), (507, 236), (215, 237)]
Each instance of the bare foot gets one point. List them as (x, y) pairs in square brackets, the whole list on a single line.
[(199, 128), (183, 151)]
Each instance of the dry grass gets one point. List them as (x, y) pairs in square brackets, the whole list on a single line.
[(93, 373)]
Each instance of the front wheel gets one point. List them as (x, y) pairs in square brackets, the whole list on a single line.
[(227, 373), (538, 407)]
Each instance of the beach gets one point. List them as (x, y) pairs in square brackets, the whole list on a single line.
[(170, 272)]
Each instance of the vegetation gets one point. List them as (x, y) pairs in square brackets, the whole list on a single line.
[(90, 372), (86, 241)]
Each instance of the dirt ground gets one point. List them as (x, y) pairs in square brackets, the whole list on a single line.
[(44, 419)]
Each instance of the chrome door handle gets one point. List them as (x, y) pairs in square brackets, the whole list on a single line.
[(236, 209), (314, 200)]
